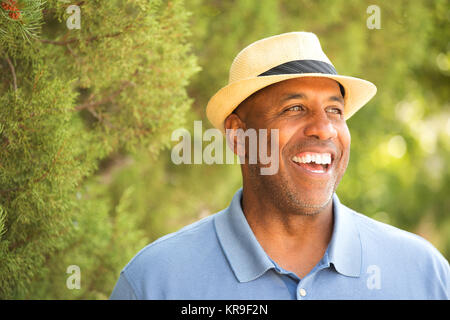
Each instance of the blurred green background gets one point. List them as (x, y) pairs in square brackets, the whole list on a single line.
[(92, 187)]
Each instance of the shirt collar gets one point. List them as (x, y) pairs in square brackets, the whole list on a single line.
[(244, 253), (345, 249), (248, 259)]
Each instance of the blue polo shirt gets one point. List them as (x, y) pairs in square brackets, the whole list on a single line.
[(219, 257)]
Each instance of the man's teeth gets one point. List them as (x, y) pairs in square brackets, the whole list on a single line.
[(319, 158)]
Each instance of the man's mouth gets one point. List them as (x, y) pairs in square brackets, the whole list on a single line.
[(314, 162)]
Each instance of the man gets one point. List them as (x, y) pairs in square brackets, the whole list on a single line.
[(286, 235)]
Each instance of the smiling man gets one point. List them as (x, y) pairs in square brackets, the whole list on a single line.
[(286, 235), (294, 223)]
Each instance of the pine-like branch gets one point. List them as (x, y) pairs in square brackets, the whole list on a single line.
[(90, 105), (94, 38), (13, 72)]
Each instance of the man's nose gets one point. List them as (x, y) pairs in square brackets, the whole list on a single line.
[(320, 126)]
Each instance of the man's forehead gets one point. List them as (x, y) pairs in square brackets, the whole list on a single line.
[(301, 95), (302, 85), (301, 88)]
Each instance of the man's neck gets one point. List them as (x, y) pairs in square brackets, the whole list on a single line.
[(292, 239)]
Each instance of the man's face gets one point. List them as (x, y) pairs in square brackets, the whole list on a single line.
[(308, 112)]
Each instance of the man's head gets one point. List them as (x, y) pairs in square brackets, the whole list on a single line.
[(286, 82), (309, 115)]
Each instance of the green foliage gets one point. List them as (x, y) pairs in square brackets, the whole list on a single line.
[(17, 33), (85, 171), (134, 47), (72, 102)]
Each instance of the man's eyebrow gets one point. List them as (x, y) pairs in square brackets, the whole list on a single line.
[(290, 96), (336, 98)]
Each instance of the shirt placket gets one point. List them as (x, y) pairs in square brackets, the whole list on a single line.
[(304, 286)]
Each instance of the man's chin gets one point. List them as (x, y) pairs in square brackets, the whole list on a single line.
[(312, 205), (292, 196)]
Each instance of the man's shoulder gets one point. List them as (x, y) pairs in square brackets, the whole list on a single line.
[(175, 248), (387, 239), (174, 260)]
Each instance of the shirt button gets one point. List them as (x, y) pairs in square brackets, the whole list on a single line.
[(302, 292)]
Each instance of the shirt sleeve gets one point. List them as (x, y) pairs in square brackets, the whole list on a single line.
[(123, 289)]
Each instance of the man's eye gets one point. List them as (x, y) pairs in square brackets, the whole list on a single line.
[(295, 108), (336, 110)]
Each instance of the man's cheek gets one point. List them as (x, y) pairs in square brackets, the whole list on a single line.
[(269, 151)]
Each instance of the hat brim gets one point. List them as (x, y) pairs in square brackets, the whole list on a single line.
[(357, 93)]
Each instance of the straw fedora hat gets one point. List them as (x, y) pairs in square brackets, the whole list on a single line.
[(277, 58)]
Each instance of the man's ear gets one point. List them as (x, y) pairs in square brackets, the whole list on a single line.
[(234, 125)]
